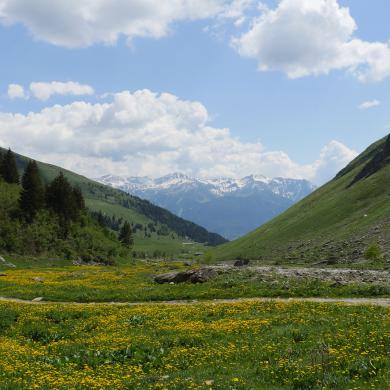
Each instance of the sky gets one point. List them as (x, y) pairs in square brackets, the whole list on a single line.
[(210, 88)]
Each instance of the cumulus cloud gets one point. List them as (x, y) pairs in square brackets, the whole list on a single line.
[(149, 134), (333, 157), (43, 91), (16, 91), (145, 133), (81, 23), (312, 37), (369, 104)]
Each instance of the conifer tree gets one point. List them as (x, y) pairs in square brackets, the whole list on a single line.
[(9, 170), (1, 165), (32, 196), (64, 200), (78, 199), (126, 236)]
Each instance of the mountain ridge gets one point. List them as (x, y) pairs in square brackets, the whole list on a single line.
[(228, 206)]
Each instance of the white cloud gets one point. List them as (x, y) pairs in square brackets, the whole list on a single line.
[(237, 11), (369, 104), (16, 91), (81, 23), (44, 91), (312, 37), (145, 133), (333, 157)]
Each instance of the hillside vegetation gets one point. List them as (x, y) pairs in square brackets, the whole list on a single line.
[(52, 222), (157, 231), (337, 223)]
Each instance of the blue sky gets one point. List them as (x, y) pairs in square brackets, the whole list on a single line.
[(302, 117)]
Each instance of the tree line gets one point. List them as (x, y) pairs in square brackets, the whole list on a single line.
[(59, 196)]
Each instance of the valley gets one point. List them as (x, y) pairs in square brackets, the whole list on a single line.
[(230, 207), (301, 303)]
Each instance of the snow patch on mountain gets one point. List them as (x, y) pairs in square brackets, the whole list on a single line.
[(292, 189)]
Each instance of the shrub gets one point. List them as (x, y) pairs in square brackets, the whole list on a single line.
[(374, 252)]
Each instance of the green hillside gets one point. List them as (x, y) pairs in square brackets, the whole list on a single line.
[(338, 222), (158, 231)]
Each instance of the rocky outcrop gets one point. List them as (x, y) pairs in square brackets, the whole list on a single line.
[(194, 276)]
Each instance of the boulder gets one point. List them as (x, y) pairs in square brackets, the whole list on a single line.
[(241, 262), (194, 276), (203, 275)]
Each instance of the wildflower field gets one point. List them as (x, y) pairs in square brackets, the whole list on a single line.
[(134, 282), (246, 345)]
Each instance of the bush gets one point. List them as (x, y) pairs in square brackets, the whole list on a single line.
[(374, 252)]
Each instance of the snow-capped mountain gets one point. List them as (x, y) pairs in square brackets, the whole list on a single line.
[(230, 207)]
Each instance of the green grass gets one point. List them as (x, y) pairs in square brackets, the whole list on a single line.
[(133, 282), (333, 222), (247, 345)]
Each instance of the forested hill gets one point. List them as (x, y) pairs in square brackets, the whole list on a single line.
[(113, 202)]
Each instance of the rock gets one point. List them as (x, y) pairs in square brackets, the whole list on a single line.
[(38, 279), (241, 263), (172, 277), (194, 276), (38, 299), (6, 263), (203, 275)]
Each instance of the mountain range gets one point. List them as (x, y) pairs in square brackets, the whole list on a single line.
[(230, 207)]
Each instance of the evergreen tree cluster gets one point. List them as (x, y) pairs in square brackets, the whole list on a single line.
[(8, 169), (65, 200), (126, 236), (36, 218), (50, 220)]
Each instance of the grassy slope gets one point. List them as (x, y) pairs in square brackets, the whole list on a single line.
[(333, 221), (110, 201)]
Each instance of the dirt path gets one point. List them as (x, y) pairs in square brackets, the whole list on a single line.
[(384, 302)]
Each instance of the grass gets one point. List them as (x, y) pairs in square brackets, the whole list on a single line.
[(133, 282), (200, 346), (334, 221)]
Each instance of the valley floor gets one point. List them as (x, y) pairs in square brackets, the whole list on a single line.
[(104, 328), (134, 283), (240, 345)]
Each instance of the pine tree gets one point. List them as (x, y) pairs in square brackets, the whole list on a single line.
[(64, 200), (9, 170), (78, 199), (126, 236), (1, 165), (32, 196)]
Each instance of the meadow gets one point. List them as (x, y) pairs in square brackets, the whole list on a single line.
[(134, 282), (246, 345)]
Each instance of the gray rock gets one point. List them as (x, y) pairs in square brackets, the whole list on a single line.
[(194, 276), (241, 263)]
